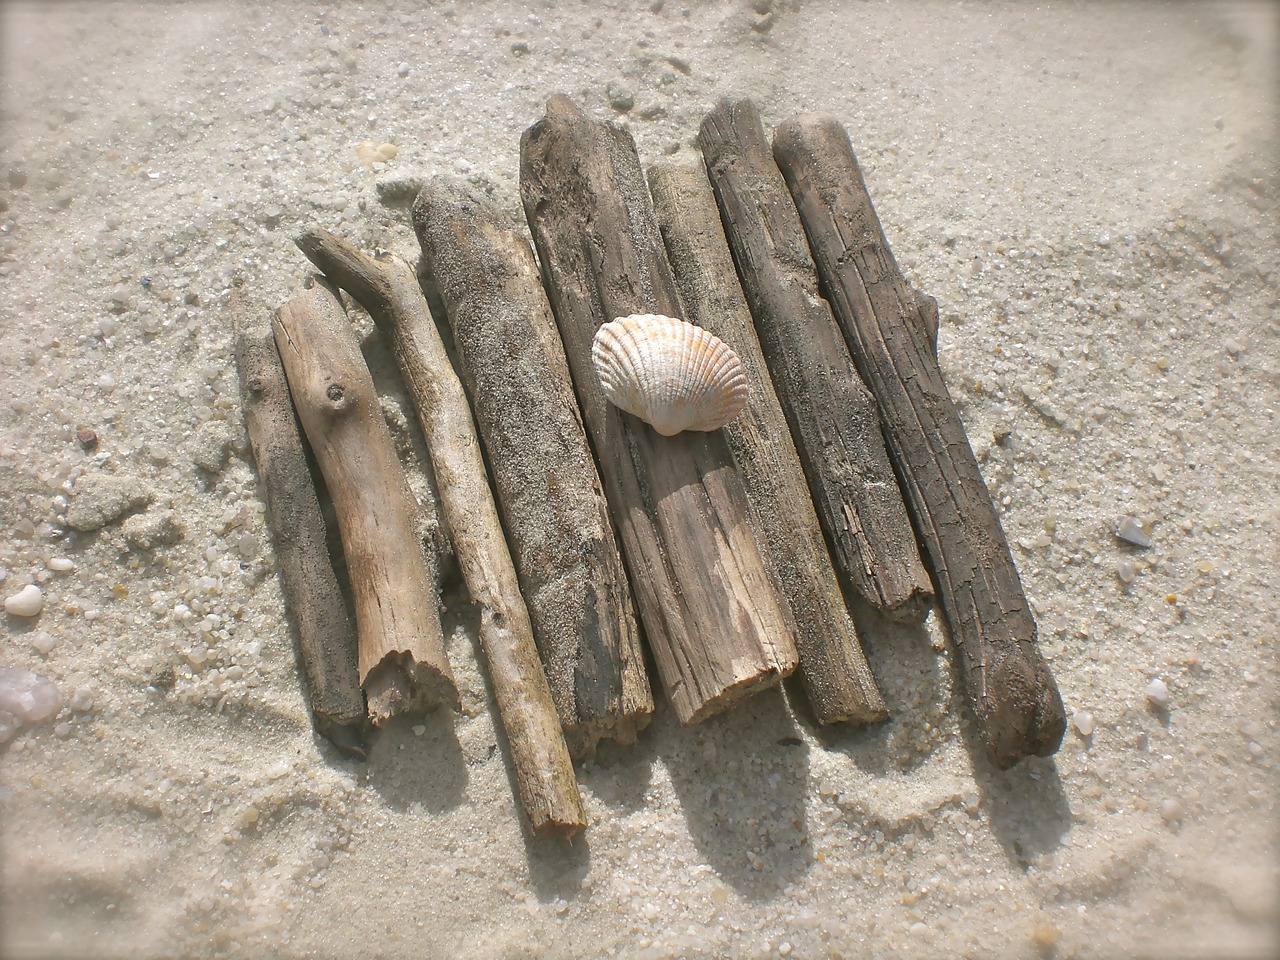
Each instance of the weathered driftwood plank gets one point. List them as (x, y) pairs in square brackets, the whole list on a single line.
[(833, 667), (388, 288), (831, 413), (713, 615), (557, 521), (393, 582), (326, 636), (891, 330)]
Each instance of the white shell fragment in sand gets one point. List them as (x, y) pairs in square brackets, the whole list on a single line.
[(27, 602), (671, 374)]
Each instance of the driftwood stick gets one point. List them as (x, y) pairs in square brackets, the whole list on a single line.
[(557, 521), (388, 288), (325, 634), (831, 413), (891, 330), (833, 667), (712, 611), (394, 585)]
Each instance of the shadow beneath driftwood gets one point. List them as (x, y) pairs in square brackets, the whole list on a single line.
[(906, 669), (407, 768), (1026, 805), (742, 779), (557, 867)]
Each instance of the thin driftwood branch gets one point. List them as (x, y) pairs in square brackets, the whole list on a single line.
[(831, 413), (388, 288), (326, 636), (394, 584), (712, 611), (891, 330), (557, 521), (833, 668)]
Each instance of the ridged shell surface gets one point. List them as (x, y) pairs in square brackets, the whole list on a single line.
[(671, 374)]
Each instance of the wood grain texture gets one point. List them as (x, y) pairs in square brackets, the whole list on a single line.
[(388, 288), (393, 581), (831, 414), (549, 493), (891, 330), (326, 635), (713, 614), (833, 668)]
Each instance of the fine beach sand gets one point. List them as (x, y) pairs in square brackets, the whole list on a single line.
[(1089, 190)]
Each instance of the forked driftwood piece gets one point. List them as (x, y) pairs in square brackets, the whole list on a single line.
[(393, 581), (833, 668), (557, 521), (715, 621), (326, 636), (388, 288), (892, 332), (831, 413)]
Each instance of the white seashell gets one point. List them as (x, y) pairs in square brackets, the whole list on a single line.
[(671, 374)]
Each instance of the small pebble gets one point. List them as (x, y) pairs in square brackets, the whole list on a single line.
[(43, 641), (1130, 530), (27, 602), (28, 696), (86, 438), (60, 564), (1126, 570), (1083, 722), (1170, 810), (1158, 693), (620, 96), (403, 69)]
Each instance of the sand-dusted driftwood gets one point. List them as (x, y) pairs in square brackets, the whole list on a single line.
[(326, 636), (712, 611), (831, 413), (557, 521), (892, 332), (402, 660), (833, 667), (388, 288)]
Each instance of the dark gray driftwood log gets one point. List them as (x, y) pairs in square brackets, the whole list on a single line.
[(326, 635), (833, 668), (393, 581), (713, 615), (891, 330), (388, 288), (831, 413), (549, 493)]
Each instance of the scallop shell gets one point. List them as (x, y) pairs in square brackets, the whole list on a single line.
[(671, 374)]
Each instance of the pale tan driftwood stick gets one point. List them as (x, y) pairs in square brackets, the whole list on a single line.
[(832, 415), (833, 667), (713, 614), (397, 606), (326, 636), (557, 521), (891, 330), (388, 288)]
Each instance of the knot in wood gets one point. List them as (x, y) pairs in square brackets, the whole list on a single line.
[(335, 392)]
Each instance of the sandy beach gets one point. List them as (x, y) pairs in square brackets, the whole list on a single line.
[(1089, 191)]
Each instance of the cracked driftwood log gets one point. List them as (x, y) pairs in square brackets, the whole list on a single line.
[(892, 332), (833, 668), (326, 636), (393, 581), (712, 611), (388, 288), (557, 521), (831, 413)]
